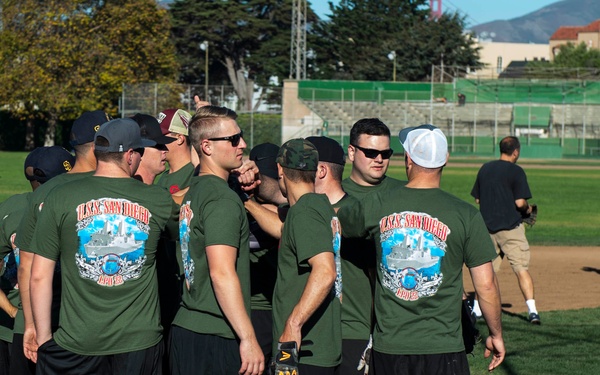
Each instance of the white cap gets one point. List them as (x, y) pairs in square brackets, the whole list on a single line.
[(426, 145)]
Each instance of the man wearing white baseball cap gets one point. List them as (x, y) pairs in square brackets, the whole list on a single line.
[(423, 235)]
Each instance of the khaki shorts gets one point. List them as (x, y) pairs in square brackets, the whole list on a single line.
[(512, 244)]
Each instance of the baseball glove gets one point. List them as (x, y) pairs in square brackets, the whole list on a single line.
[(531, 218), (286, 359)]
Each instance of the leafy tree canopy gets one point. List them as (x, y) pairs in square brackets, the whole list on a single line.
[(60, 58)]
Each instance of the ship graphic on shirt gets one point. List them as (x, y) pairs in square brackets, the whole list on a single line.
[(105, 242), (413, 245), (112, 240), (403, 256)]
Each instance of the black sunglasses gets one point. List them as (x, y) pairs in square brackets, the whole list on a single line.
[(235, 139), (372, 153), (139, 151)]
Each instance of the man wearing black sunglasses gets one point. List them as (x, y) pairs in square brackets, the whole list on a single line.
[(424, 236), (370, 153), (212, 329)]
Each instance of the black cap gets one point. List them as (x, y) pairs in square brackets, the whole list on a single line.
[(264, 156), (43, 163), (150, 129), (85, 127), (329, 149)]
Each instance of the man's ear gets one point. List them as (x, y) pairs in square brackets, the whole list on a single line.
[(351, 152), (321, 171), (206, 147)]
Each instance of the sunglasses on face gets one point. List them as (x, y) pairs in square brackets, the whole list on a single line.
[(372, 153), (234, 139), (139, 151)]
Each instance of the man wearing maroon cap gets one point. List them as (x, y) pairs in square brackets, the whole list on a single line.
[(174, 123)]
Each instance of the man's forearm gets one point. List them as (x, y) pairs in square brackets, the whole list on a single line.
[(267, 220), (229, 296), (42, 273), (23, 275), (318, 287), (8, 307), (484, 281)]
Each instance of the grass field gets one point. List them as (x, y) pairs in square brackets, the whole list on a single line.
[(567, 342)]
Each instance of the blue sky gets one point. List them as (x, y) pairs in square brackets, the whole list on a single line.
[(477, 11)]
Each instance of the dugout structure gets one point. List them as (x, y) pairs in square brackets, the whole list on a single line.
[(554, 118)]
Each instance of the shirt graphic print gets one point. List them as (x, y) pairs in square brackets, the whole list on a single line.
[(413, 245), (185, 217), (112, 237)]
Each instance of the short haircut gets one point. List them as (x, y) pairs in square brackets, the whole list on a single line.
[(297, 175), (337, 170), (82, 149), (368, 126), (206, 122), (106, 156), (509, 144)]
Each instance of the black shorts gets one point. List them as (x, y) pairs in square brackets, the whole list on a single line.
[(439, 364), (262, 321), (52, 359), (194, 353), (19, 364), (352, 351)]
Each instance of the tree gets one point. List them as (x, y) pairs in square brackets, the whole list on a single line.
[(249, 42), (62, 57), (360, 35)]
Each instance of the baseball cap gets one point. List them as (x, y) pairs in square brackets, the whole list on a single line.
[(150, 129), (174, 120), (85, 126), (329, 150), (426, 145), (122, 134), (298, 153), (264, 156), (43, 163)]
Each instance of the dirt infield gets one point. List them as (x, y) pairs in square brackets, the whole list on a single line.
[(565, 278)]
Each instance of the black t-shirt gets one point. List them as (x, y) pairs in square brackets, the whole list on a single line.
[(499, 184)]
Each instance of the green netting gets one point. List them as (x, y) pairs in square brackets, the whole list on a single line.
[(532, 116)]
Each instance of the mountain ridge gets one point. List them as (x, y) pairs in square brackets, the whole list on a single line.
[(538, 26)]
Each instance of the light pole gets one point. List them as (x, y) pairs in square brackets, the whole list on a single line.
[(204, 47), (392, 56)]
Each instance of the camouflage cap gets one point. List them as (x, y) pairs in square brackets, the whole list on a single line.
[(299, 154)]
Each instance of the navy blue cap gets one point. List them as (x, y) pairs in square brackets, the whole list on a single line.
[(43, 163), (86, 126)]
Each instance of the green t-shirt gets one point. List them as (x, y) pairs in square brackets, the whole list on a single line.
[(105, 232), (211, 214), (25, 234), (11, 211), (423, 237), (178, 180), (310, 228), (358, 259)]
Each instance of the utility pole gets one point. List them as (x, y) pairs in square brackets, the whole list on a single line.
[(298, 40)]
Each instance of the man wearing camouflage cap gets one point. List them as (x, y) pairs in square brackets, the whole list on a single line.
[(306, 307)]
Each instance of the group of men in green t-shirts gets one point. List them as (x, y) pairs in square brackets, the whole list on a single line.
[(217, 231)]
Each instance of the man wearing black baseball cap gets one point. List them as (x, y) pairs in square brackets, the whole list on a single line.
[(423, 238), (155, 157), (106, 239), (41, 165)]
